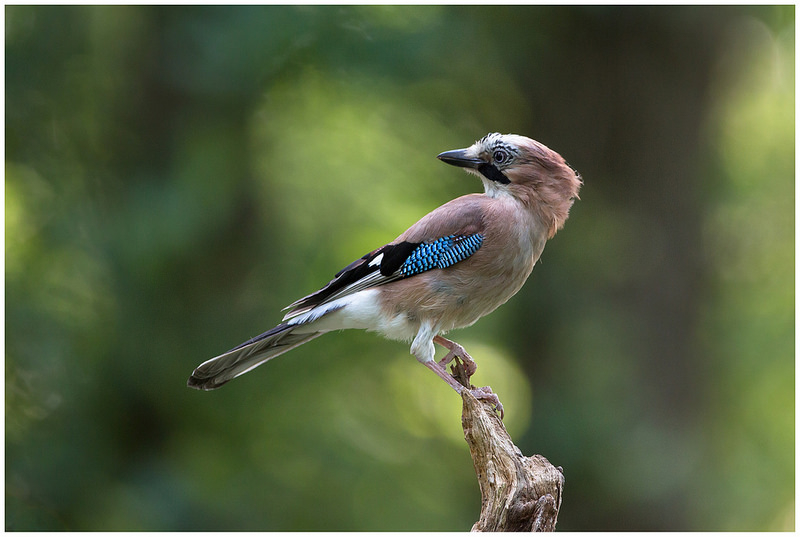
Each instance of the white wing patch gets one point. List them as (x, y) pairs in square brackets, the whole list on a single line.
[(376, 261)]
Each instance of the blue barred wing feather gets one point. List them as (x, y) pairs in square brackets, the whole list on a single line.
[(440, 253)]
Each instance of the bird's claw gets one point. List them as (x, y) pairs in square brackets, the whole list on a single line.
[(457, 352), (485, 393)]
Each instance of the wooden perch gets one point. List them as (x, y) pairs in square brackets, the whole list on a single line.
[(518, 493)]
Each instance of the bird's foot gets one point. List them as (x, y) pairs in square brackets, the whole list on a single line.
[(462, 369), (485, 393), (456, 351)]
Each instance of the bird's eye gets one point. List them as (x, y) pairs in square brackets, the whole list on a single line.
[(500, 156)]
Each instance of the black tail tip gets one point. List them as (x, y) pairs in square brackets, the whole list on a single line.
[(195, 383), (204, 384)]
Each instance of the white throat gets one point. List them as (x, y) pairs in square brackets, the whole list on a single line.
[(493, 189)]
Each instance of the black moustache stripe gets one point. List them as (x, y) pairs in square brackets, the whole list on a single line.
[(493, 174)]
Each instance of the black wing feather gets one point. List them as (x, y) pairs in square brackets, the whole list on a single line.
[(393, 257)]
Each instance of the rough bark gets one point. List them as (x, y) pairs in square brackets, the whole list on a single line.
[(518, 493)]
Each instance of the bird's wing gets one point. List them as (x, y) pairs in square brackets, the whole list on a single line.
[(450, 234)]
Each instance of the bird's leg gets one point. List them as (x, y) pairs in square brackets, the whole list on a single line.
[(465, 363), (482, 394), (440, 370), (456, 351)]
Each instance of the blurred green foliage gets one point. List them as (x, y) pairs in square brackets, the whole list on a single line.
[(176, 175)]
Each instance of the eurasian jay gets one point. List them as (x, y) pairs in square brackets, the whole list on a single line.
[(455, 265)]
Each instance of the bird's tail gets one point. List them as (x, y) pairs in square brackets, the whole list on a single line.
[(217, 371)]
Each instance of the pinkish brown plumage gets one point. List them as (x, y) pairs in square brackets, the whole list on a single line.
[(455, 265)]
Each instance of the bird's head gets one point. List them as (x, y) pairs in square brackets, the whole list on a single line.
[(516, 166)]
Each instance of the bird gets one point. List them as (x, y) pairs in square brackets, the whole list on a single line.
[(455, 265)]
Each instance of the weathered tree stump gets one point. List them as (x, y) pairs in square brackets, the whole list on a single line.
[(518, 493)]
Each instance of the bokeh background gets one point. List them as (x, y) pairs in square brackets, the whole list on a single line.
[(177, 175)]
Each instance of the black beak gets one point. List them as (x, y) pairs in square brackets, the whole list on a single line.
[(458, 157)]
